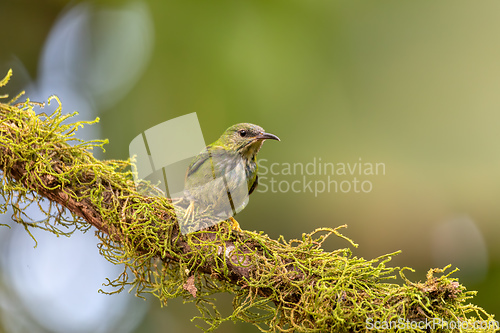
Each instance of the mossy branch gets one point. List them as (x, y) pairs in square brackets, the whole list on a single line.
[(278, 285)]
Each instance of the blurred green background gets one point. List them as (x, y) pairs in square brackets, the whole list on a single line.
[(413, 85)]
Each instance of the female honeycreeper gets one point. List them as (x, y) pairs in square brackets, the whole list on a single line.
[(223, 174)]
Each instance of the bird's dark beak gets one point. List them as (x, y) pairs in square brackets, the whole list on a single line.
[(266, 136)]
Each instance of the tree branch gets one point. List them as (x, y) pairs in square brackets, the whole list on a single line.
[(295, 285)]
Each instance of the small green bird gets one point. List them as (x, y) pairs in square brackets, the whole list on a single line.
[(224, 174)]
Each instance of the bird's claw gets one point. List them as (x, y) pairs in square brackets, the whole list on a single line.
[(235, 224), (176, 202), (189, 214)]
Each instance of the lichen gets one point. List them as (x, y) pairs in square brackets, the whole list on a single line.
[(277, 285)]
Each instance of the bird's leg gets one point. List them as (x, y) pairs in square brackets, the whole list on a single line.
[(177, 201), (189, 212), (235, 224)]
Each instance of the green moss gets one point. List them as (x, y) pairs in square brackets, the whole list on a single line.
[(278, 285)]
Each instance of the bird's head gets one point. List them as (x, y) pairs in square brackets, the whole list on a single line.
[(245, 138)]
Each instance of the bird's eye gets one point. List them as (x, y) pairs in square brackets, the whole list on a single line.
[(243, 133)]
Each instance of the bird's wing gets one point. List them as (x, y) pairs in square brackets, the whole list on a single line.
[(254, 185), (197, 162), (212, 162)]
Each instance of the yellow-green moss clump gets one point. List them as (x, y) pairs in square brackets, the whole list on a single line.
[(278, 285)]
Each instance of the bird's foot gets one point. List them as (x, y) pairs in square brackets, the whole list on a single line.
[(177, 201), (189, 214), (235, 224)]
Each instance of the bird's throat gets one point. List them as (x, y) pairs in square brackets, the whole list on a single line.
[(250, 151)]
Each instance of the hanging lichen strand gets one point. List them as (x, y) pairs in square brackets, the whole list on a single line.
[(277, 285)]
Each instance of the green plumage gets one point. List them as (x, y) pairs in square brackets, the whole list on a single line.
[(225, 172)]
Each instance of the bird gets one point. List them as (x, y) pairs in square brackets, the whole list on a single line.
[(224, 173)]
